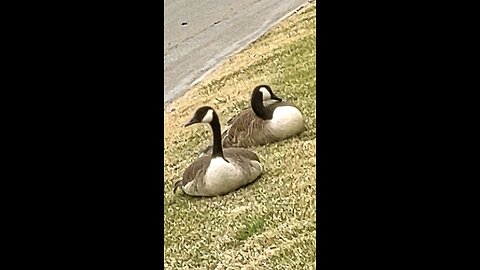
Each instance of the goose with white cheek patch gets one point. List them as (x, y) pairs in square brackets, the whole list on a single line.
[(223, 171), (268, 120)]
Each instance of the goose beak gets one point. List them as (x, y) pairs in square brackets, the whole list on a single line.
[(273, 96), (190, 122)]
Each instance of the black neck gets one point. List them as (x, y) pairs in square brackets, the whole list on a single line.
[(217, 150), (257, 105)]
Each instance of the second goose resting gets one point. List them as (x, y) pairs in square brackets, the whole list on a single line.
[(222, 172), (268, 120)]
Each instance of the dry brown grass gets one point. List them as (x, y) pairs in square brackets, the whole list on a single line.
[(271, 223)]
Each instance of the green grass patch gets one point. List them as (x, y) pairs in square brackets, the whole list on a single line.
[(255, 225)]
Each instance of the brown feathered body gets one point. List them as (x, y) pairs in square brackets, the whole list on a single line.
[(217, 176), (247, 129)]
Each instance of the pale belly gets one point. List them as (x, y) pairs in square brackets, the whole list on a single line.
[(286, 121), (223, 177)]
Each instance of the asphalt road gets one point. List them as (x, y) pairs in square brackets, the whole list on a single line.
[(201, 33)]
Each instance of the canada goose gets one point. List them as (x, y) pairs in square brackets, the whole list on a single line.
[(224, 170), (269, 119)]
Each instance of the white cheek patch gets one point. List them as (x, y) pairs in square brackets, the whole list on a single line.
[(266, 95), (208, 117)]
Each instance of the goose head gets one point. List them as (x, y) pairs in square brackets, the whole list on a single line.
[(202, 115), (263, 96), (266, 92), (207, 115)]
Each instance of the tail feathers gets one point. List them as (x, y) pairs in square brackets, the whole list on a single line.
[(179, 183)]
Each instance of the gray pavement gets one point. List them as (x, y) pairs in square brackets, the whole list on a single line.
[(199, 34)]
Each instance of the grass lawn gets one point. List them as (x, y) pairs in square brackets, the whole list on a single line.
[(269, 224)]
